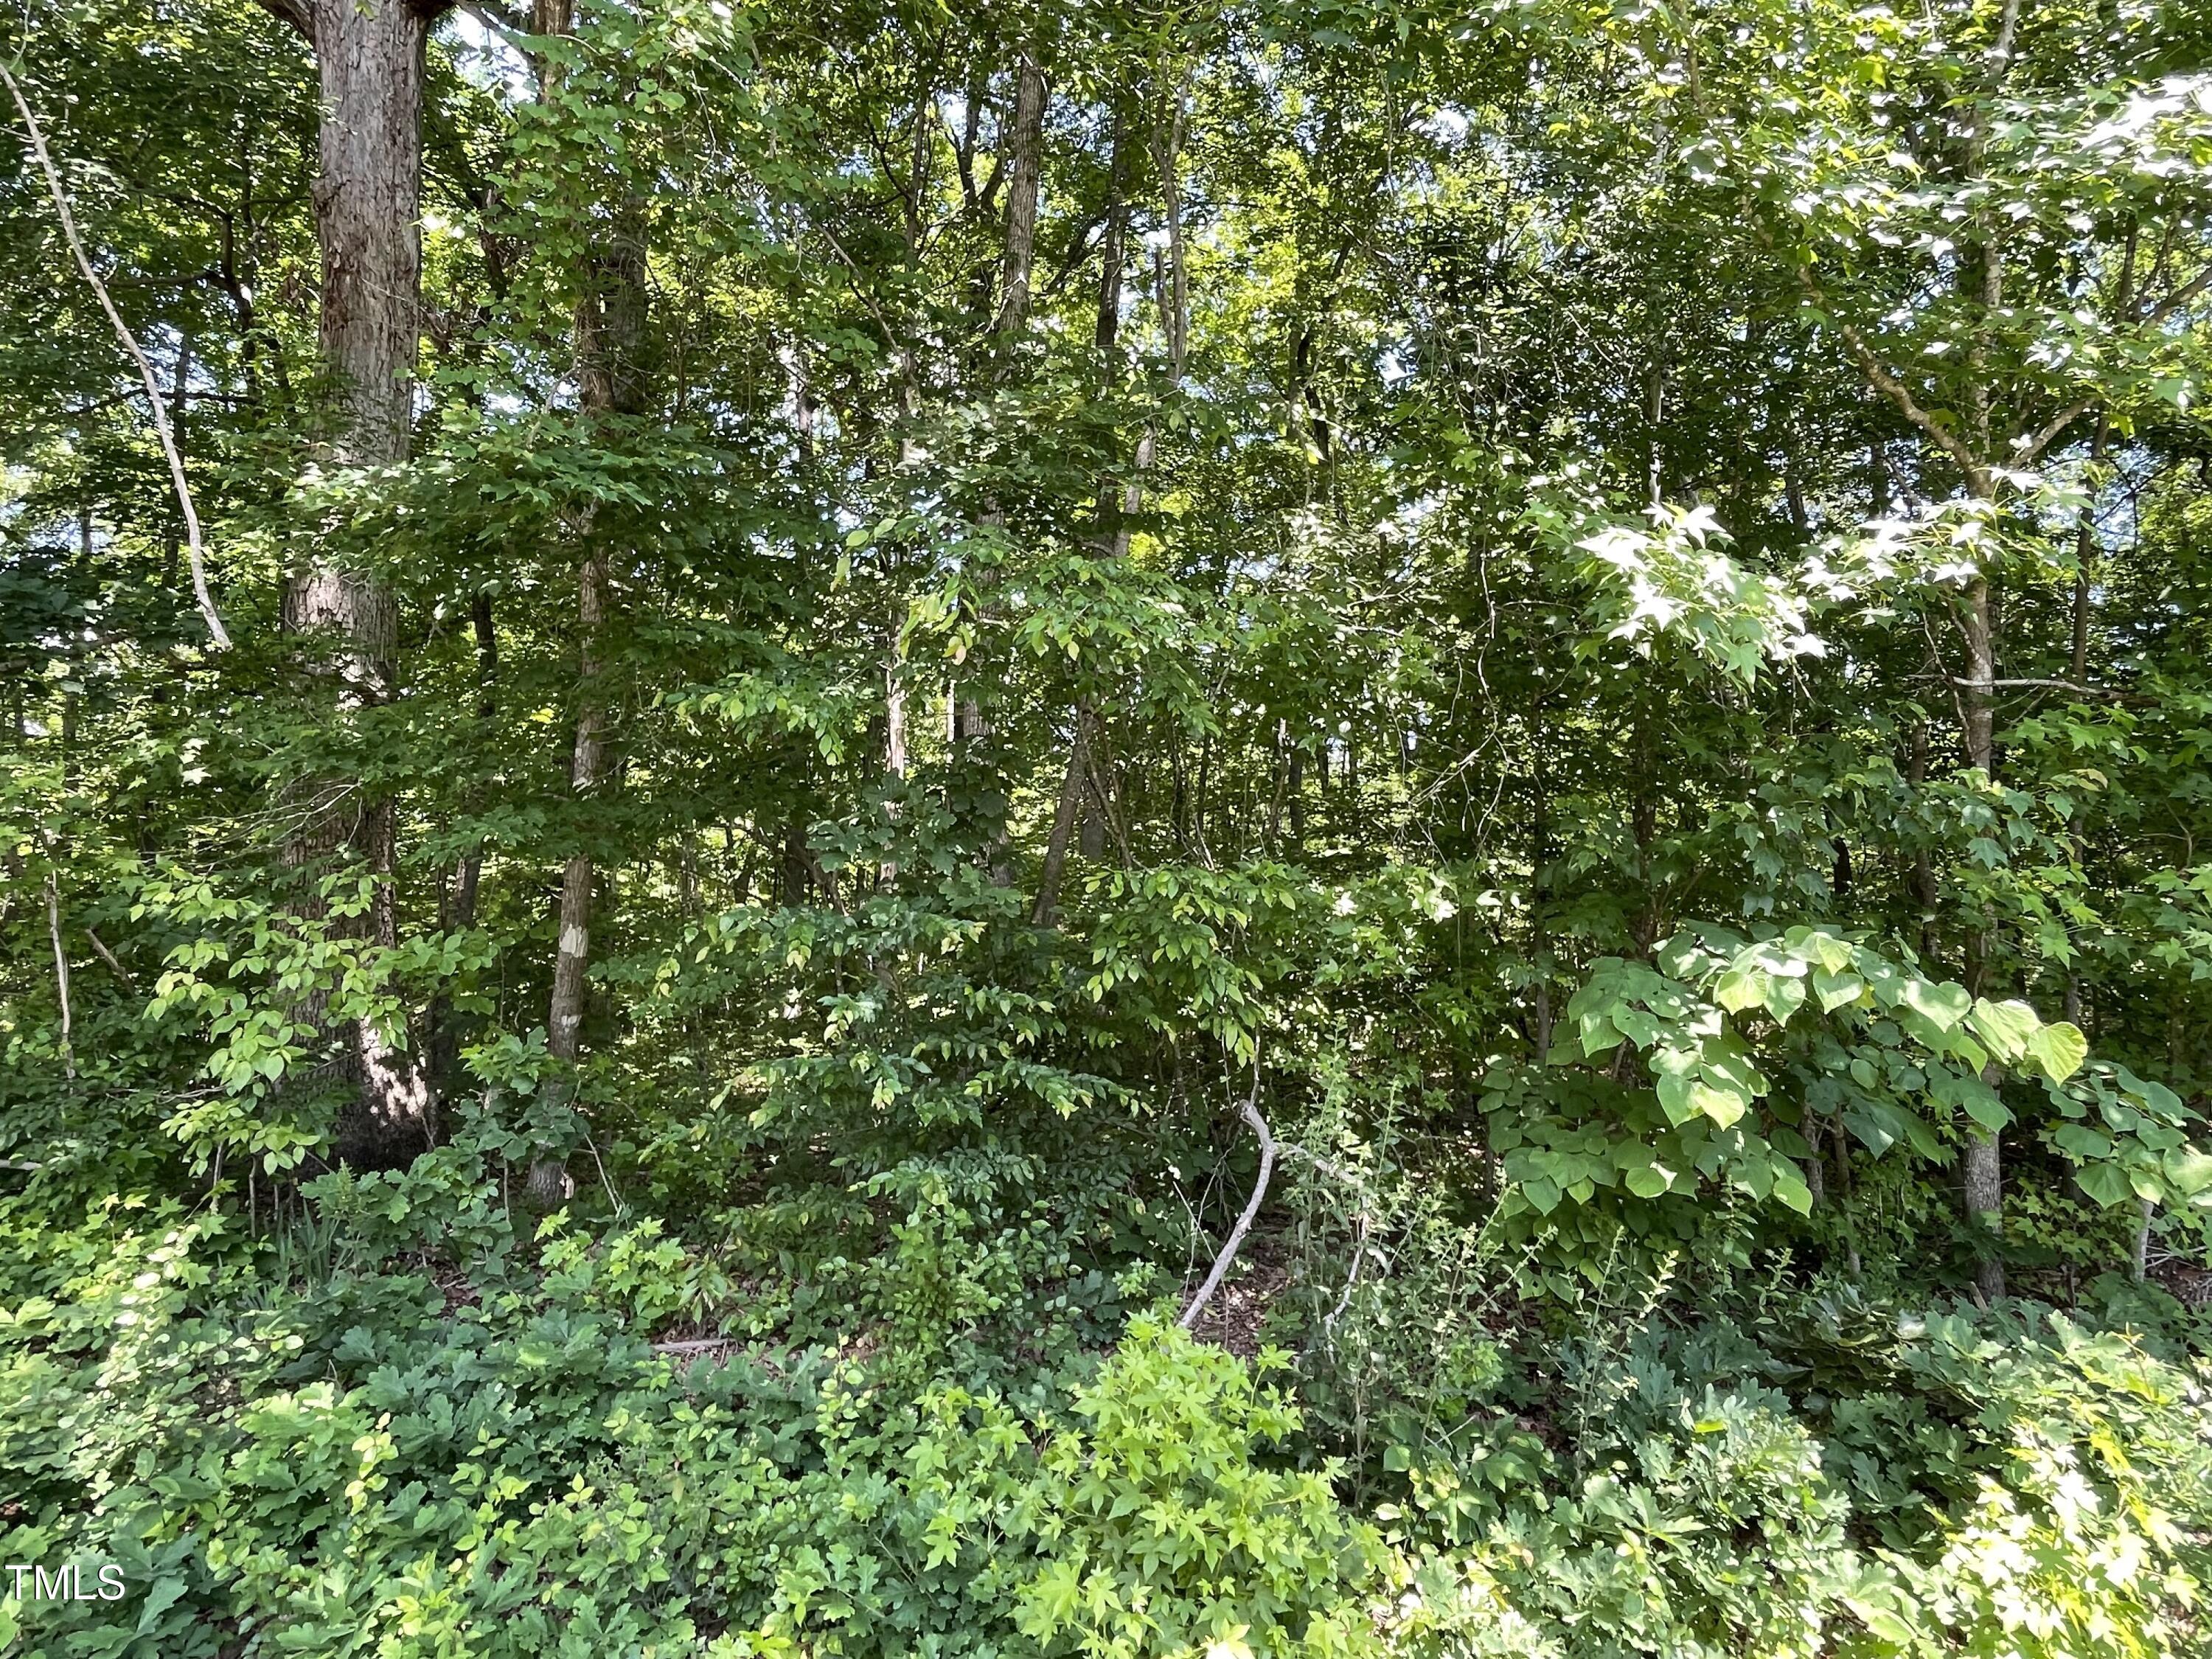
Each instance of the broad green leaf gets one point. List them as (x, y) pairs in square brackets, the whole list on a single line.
[(1648, 1181), (1724, 1105), (2081, 1141), (2006, 1027), (2104, 1182), (2058, 1050), (2189, 1172), (1741, 988), (1784, 997), (1837, 990), (1943, 1006), (1789, 1187)]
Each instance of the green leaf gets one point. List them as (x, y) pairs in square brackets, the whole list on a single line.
[(2006, 1027), (1675, 1099), (2104, 1182), (1647, 1181), (2058, 1050), (1943, 1006), (1983, 1105), (2189, 1172), (1741, 988), (1784, 997), (2080, 1141), (1837, 990), (1725, 1106), (1789, 1187)]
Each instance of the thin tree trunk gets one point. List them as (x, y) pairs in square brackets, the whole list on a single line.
[(796, 859), (61, 972), (169, 444), (1024, 174), (1063, 823), (609, 341), (1981, 1172), (1106, 334), (1925, 896), (2085, 556), (1983, 264)]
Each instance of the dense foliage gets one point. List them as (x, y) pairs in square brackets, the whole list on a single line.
[(1115, 829)]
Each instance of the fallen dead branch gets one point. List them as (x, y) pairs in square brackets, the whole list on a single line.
[(1222, 1262)]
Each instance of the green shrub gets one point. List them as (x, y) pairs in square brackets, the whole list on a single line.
[(1713, 1534), (367, 1465)]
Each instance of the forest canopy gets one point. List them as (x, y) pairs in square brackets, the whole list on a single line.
[(877, 828)]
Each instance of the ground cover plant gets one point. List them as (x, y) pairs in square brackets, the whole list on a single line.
[(872, 827)]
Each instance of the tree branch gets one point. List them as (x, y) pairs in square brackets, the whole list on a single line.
[(2078, 689), (294, 12), (2025, 450), (1221, 1263), (108, 957), (1899, 393), (60, 981), (38, 142), (2180, 297), (494, 15)]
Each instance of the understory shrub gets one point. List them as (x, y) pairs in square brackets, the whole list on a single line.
[(395, 1464), (1854, 1481)]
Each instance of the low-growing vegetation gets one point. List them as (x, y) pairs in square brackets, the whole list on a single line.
[(1105, 831)]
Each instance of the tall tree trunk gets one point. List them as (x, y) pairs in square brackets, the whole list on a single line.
[(369, 59), (458, 912), (1981, 1172), (2077, 663), (1106, 334), (1024, 174), (609, 328), (1982, 1184)]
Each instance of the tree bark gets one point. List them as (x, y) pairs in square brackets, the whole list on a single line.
[(1982, 1184), (1106, 335), (609, 350), (2077, 662), (1982, 1191), (369, 60), (1024, 174)]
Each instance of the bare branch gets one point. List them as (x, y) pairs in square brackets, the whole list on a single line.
[(1899, 393), (61, 978), (161, 409), (2181, 296), (2026, 450), (504, 19), (2078, 689), (1221, 1263), (108, 957)]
